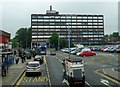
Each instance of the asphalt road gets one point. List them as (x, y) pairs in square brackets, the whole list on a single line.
[(100, 61), (38, 80)]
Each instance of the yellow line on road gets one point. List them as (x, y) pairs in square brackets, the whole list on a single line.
[(20, 80), (44, 60), (113, 80)]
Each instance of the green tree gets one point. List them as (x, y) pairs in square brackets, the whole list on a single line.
[(63, 43), (24, 37), (14, 42), (54, 40)]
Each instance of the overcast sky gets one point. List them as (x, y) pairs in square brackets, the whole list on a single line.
[(17, 15)]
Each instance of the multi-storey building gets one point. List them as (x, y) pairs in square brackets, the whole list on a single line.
[(85, 29)]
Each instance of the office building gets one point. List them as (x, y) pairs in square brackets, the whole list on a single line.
[(85, 29)]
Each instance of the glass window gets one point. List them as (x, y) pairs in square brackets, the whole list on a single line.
[(34, 19), (34, 16), (40, 16)]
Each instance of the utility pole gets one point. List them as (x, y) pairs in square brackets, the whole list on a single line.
[(69, 40), (58, 42)]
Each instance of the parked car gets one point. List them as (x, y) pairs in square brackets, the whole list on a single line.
[(87, 53), (82, 49), (39, 58), (118, 50), (33, 68)]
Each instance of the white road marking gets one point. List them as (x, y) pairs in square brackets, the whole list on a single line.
[(105, 82), (65, 81), (88, 84), (113, 69), (104, 71)]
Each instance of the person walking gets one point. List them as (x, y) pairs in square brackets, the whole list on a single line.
[(17, 59)]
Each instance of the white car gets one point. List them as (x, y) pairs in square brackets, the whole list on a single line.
[(33, 68), (84, 49)]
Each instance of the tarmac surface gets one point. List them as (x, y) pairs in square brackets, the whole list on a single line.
[(15, 72)]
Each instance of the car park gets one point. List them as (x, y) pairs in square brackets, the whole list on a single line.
[(33, 68), (39, 58), (87, 53)]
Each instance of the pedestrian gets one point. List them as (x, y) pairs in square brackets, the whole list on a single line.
[(17, 59)]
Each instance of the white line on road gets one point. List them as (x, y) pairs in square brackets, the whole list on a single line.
[(105, 82), (88, 84)]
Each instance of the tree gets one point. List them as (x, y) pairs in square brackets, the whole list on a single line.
[(63, 43), (54, 40), (14, 42), (24, 37)]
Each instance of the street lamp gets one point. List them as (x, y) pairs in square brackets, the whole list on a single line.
[(58, 42), (69, 40)]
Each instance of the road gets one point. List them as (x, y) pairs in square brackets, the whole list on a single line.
[(53, 72), (100, 61)]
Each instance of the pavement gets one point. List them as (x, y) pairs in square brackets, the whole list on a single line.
[(15, 71)]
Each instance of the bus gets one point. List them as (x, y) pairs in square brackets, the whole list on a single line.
[(42, 49)]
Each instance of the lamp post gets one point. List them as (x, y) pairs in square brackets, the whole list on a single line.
[(69, 40), (58, 42)]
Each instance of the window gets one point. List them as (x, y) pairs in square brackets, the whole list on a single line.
[(34, 19), (34, 16), (40, 16)]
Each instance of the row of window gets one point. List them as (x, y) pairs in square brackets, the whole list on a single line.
[(62, 24), (66, 36), (67, 26), (35, 33), (56, 20), (74, 30), (68, 17)]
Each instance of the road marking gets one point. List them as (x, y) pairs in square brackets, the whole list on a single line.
[(113, 69), (105, 82), (113, 80), (48, 73), (88, 84), (20, 80), (44, 60), (104, 71), (65, 81)]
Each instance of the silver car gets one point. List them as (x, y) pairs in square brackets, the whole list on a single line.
[(33, 68)]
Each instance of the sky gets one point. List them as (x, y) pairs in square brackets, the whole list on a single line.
[(17, 14)]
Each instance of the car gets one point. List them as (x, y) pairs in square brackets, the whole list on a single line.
[(118, 50), (87, 53), (38, 58), (33, 67), (52, 53), (82, 49), (28, 54)]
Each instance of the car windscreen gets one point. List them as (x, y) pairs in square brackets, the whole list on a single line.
[(33, 65)]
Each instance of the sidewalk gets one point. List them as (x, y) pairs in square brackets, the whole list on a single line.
[(13, 75)]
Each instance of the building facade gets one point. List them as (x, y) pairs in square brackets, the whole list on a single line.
[(85, 29), (4, 39)]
